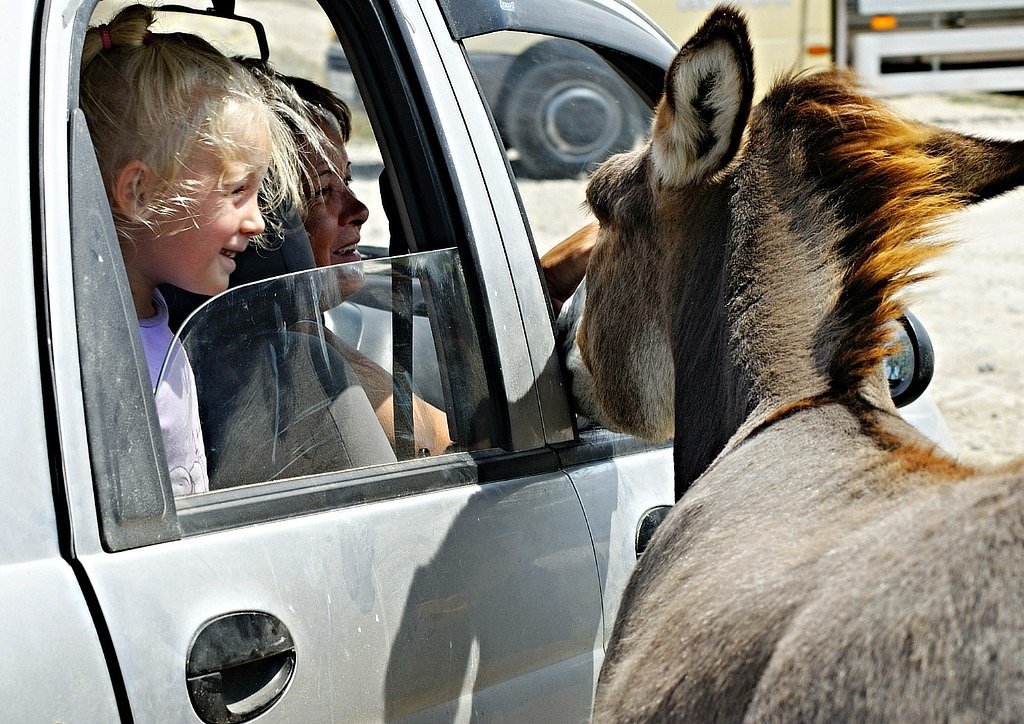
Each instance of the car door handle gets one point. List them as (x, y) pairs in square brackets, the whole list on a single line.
[(649, 523), (238, 666)]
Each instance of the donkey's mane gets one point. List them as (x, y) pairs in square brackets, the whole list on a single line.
[(881, 180)]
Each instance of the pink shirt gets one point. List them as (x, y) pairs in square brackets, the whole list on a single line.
[(176, 404)]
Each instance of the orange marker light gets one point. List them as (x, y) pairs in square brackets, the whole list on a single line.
[(817, 50), (883, 22)]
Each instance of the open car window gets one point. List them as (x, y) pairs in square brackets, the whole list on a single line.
[(418, 338), (560, 109), (347, 366)]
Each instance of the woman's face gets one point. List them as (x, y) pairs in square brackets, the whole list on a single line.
[(334, 216)]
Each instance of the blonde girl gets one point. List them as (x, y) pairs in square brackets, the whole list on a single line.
[(185, 140)]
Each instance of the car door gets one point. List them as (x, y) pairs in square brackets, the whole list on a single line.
[(425, 589), (53, 668), (559, 96)]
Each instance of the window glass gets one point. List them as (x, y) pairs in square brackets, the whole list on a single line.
[(560, 110), (339, 367)]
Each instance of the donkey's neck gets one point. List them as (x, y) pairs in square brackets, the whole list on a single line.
[(784, 282), (750, 323), (711, 393)]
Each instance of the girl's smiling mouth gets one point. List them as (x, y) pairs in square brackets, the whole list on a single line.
[(229, 254)]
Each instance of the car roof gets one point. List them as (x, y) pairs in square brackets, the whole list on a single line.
[(615, 24)]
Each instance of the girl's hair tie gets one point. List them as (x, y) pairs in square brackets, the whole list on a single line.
[(105, 36)]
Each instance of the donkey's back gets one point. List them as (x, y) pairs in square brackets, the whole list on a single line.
[(844, 585)]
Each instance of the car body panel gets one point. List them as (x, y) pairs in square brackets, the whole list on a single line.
[(615, 494), (393, 607), (32, 534), (54, 667), (616, 25)]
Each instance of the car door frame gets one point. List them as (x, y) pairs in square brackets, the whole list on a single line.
[(623, 482), (526, 469)]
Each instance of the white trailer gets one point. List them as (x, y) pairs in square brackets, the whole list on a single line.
[(898, 46), (916, 46)]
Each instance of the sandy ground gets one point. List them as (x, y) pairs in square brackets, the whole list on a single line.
[(974, 307)]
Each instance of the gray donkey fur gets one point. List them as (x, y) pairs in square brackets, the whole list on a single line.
[(828, 562)]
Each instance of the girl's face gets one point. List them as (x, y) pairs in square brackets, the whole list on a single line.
[(194, 245), (334, 216)]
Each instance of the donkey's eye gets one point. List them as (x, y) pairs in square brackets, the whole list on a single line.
[(599, 205)]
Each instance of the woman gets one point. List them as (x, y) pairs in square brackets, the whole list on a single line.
[(333, 216)]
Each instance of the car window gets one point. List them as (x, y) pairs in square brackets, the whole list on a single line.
[(322, 381), (560, 110), (344, 366)]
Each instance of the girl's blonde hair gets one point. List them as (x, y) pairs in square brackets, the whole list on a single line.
[(306, 121), (160, 98)]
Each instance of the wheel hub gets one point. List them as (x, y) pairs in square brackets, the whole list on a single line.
[(578, 119)]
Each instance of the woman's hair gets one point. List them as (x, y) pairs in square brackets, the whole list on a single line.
[(300, 100), (309, 110), (160, 98), (323, 104)]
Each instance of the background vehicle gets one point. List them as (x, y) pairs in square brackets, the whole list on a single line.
[(558, 110), (897, 46), (557, 106), (477, 583)]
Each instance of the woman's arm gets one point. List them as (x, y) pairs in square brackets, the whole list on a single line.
[(430, 425)]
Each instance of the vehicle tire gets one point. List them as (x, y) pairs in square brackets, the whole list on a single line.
[(565, 116)]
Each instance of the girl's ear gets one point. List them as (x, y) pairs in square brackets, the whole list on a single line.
[(129, 187)]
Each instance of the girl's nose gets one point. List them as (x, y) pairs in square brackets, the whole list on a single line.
[(252, 222)]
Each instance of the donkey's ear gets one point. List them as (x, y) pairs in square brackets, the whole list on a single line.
[(978, 168), (708, 90)]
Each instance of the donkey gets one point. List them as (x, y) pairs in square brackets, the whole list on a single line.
[(828, 561)]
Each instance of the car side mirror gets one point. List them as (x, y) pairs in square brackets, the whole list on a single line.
[(910, 370)]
